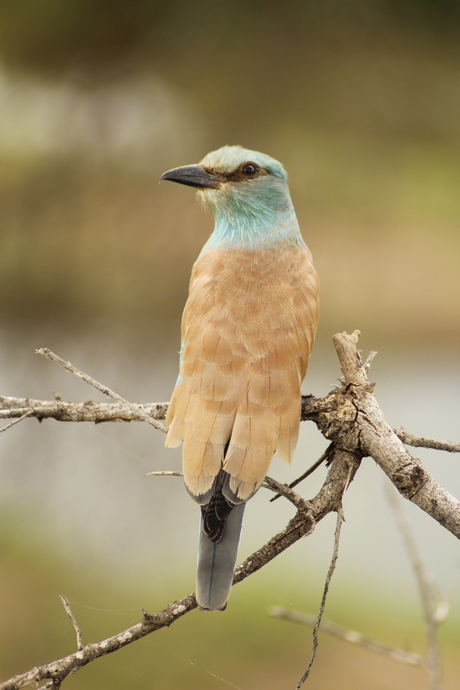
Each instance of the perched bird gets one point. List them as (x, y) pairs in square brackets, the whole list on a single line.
[(247, 332)]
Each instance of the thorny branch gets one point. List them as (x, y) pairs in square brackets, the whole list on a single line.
[(349, 416)]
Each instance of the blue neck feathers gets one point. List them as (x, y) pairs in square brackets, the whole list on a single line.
[(265, 220)]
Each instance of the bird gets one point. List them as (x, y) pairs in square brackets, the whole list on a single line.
[(247, 331)]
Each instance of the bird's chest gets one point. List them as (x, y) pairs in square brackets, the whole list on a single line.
[(247, 293), (233, 278)]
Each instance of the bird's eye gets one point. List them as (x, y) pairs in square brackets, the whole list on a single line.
[(249, 169)]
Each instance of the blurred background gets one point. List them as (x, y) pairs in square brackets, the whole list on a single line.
[(361, 102)]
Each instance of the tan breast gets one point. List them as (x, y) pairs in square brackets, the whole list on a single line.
[(247, 330)]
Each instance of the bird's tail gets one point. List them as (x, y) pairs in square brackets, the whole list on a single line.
[(216, 563)]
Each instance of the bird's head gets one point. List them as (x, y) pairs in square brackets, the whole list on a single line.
[(247, 191)]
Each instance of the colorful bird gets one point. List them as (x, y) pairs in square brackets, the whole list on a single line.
[(247, 332)]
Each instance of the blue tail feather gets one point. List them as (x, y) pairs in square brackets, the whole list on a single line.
[(216, 563)]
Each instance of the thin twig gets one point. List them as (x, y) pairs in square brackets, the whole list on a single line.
[(164, 473), (421, 442), (66, 604), (369, 360), (330, 572), (347, 635), (300, 525), (434, 608), (46, 352), (324, 456), (16, 421), (268, 483), (284, 490)]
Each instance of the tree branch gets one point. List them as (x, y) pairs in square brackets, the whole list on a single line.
[(88, 411), (46, 352), (421, 442), (349, 416), (346, 635), (330, 572), (73, 620), (309, 513), (434, 607)]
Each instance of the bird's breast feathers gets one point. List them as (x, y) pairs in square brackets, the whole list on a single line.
[(247, 332)]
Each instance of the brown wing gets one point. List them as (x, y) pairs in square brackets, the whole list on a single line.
[(248, 329)]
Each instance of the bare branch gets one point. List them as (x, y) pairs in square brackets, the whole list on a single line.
[(58, 670), (66, 604), (369, 360), (352, 418), (431, 601), (330, 572), (164, 473), (28, 413), (88, 411), (341, 471), (268, 483), (349, 416), (100, 387), (323, 457), (421, 442), (287, 492), (347, 635)]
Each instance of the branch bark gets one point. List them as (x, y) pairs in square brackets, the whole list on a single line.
[(88, 411), (348, 416), (309, 513)]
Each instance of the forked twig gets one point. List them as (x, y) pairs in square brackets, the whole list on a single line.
[(46, 352)]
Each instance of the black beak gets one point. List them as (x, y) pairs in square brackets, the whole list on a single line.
[(193, 176)]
